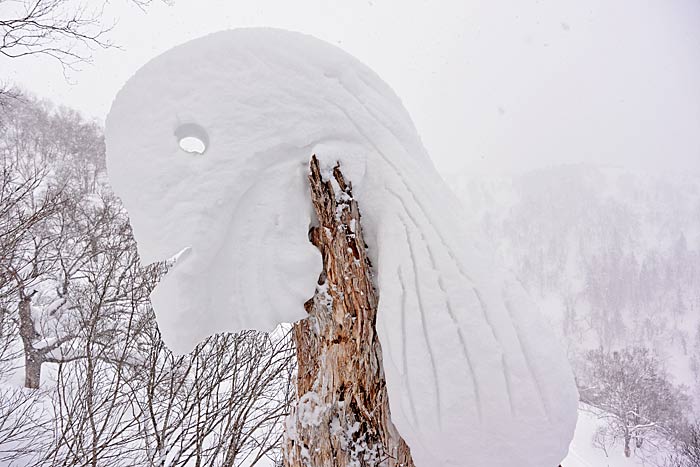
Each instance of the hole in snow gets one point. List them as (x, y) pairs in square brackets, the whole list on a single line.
[(192, 144), (192, 138)]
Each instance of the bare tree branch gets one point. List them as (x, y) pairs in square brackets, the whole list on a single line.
[(66, 30)]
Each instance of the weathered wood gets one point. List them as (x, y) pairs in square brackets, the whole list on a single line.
[(342, 414)]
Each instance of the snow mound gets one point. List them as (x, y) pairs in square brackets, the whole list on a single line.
[(474, 377)]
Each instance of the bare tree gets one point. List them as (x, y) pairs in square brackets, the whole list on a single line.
[(95, 420), (220, 406), (8, 334), (26, 252), (56, 28), (690, 445), (67, 257), (25, 206), (24, 427), (74, 302), (687, 451), (630, 391), (62, 29)]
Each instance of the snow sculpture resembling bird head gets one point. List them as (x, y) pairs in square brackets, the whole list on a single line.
[(474, 377)]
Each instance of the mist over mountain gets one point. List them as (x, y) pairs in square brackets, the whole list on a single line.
[(611, 255)]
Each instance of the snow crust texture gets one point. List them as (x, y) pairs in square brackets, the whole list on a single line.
[(474, 376)]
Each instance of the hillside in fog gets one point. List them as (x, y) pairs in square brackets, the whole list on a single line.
[(611, 255)]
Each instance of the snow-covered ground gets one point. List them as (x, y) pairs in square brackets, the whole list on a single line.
[(583, 453)]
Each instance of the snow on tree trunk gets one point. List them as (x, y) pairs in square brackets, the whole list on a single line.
[(342, 415)]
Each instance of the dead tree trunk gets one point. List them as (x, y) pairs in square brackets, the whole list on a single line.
[(342, 414)]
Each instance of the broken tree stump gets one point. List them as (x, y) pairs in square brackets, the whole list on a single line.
[(342, 415)]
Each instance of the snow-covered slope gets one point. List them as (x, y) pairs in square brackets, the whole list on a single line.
[(474, 376)]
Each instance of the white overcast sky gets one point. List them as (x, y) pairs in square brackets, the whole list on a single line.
[(490, 84)]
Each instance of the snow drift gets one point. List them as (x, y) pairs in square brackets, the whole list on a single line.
[(473, 376)]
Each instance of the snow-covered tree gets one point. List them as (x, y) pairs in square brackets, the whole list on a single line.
[(74, 303), (631, 391)]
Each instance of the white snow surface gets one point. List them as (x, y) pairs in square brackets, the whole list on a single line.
[(474, 376)]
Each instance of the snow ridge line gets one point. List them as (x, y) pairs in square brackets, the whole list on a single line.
[(436, 383), (528, 363), (403, 343), (393, 166), (448, 304), (401, 178), (448, 249), (505, 377)]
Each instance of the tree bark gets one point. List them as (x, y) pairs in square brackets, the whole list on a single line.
[(32, 357), (342, 415)]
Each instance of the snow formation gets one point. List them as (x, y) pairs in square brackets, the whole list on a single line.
[(473, 376)]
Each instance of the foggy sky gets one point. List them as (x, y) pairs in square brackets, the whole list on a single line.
[(491, 85)]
